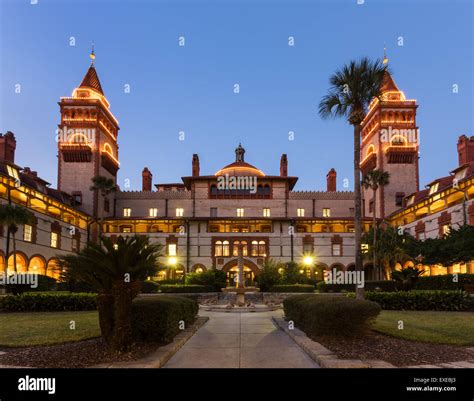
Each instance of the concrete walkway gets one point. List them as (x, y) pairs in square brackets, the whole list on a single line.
[(240, 340)]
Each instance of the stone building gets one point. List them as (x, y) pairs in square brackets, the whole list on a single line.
[(202, 219)]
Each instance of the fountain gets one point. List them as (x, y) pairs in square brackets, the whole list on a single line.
[(240, 289)]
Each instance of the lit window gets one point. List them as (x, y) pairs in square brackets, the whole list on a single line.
[(262, 250), (225, 248), (336, 249), (172, 249), (13, 172), (326, 212), (218, 248), (421, 236), (434, 188), (235, 248), (266, 212), (254, 251), (461, 174), (126, 229), (410, 200), (153, 212), (300, 212), (27, 233), (446, 229), (179, 212), (127, 212), (54, 240), (240, 212)]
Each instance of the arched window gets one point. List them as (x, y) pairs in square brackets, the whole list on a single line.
[(266, 189), (244, 248), (225, 248), (259, 190), (235, 248), (213, 190), (262, 250), (254, 251), (218, 248)]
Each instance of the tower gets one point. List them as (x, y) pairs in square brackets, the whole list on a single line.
[(390, 143), (87, 143)]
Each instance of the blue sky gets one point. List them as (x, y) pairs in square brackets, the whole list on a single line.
[(242, 42)]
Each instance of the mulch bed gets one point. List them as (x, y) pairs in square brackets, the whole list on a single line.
[(72, 355), (397, 351)]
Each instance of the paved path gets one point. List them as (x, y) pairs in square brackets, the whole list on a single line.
[(240, 340)]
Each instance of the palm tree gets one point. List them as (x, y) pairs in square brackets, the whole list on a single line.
[(352, 89), (116, 271), (105, 186), (375, 179), (13, 216)]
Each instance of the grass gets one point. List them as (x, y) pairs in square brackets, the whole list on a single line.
[(455, 328), (46, 328)]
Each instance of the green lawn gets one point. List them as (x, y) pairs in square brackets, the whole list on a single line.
[(438, 327), (41, 328)]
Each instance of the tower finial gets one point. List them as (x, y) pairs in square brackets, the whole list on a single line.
[(92, 54), (385, 58)]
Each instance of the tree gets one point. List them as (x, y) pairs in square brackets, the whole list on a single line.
[(13, 216), (375, 179), (407, 277), (116, 271), (105, 186), (352, 89), (270, 275)]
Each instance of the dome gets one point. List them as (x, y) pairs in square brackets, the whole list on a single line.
[(240, 167)]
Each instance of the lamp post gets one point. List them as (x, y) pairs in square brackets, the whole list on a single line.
[(308, 261)]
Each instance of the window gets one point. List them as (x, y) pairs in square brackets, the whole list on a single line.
[(266, 212), (126, 229), (27, 233), (300, 212), (235, 248), (54, 239), (225, 248), (240, 212), (77, 196), (410, 200), (179, 212), (399, 198), (153, 212), (434, 188), (371, 206), (106, 205), (222, 248), (172, 249), (421, 236), (446, 229), (326, 212), (213, 211), (13, 172), (259, 248), (127, 212), (461, 174), (336, 249)]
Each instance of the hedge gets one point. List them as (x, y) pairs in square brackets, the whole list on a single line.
[(182, 288), (456, 300), (45, 283), (444, 282), (333, 315), (369, 285), (292, 288), (149, 287), (158, 318), (49, 302)]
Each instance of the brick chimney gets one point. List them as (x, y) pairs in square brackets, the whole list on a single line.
[(465, 149), (196, 168), (331, 180), (7, 147), (146, 179), (284, 166)]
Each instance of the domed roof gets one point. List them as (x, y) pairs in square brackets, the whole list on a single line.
[(240, 167)]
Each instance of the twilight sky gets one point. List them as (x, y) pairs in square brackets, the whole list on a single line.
[(190, 88)]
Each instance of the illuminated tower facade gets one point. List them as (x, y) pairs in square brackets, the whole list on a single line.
[(87, 144), (390, 143)]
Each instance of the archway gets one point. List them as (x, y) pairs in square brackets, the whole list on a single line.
[(199, 268), (21, 263), (53, 269), (2, 262), (369, 272), (251, 270), (319, 270), (37, 265)]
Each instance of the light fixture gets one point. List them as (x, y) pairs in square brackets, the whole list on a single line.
[(172, 261), (308, 260)]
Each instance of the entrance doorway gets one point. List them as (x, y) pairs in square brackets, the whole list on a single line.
[(249, 277)]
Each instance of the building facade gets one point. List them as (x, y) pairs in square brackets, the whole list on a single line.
[(204, 219)]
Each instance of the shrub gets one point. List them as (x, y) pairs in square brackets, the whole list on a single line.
[(211, 278), (292, 288), (269, 275), (420, 300), (374, 285), (45, 283), (158, 318), (171, 281), (149, 287), (49, 302), (444, 282), (180, 288), (333, 315), (75, 286)]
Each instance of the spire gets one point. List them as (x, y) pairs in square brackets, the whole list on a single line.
[(239, 153), (91, 79)]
